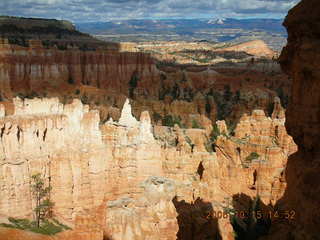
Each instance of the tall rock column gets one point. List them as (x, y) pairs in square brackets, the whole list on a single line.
[(300, 59)]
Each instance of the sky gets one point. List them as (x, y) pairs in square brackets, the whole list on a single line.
[(107, 10)]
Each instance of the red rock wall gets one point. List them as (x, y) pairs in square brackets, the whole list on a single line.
[(36, 68)]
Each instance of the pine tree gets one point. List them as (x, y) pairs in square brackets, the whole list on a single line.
[(41, 193)]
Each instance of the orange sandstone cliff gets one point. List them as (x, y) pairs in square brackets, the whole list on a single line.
[(38, 69), (129, 180)]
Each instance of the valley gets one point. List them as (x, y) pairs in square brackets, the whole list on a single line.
[(217, 30)]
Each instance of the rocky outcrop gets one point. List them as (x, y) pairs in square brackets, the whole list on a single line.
[(27, 23), (88, 168), (56, 141), (59, 34), (255, 48), (256, 156), (149, 216), (299, 60), (126, 118), (129, 180)]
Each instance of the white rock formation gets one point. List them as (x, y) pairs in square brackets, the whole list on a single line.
[(2, 111), (126, 118), (145, 129)]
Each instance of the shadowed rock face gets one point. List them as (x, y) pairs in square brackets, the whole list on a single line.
[(195, 222), (27, 23), (300, 59), (51, 32)]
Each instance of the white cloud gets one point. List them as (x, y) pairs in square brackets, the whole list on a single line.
[(99, 10)]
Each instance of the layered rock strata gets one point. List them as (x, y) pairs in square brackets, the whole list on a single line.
[(130, 180), (37, 69), (103, 78)]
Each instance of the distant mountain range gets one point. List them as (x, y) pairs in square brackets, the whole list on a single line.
[(212, 30)]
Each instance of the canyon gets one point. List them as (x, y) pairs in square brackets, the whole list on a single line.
[(119, 179), (103, 79), (118, 173)]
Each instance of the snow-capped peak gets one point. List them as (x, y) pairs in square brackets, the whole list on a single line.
[(216, 21)]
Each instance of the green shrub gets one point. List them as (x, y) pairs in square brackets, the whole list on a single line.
[(231, 127), (189, 141), (215, 133), (156, 117), (84, 99), (170, 121), (270, 108), (208, 108), (163, 92), (195, 124), (167, 121), (133, 83), (175, 92), (188, 94), (21, 96), (62, 47), (32, 95), (237, 96), (77, 92), (46, 227), (18, 40), (224, 107), (46, 43), (209, 147), (252, 156), (227, 95)]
